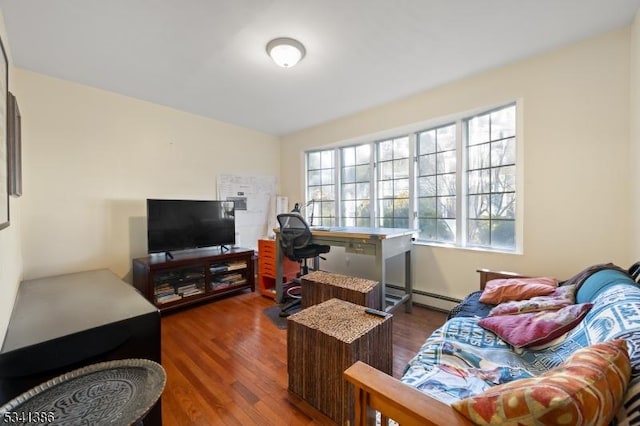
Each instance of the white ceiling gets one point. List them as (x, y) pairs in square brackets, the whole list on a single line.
[(208, 56)]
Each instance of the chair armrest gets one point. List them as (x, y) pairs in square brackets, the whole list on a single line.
[(488, 275), (375, 390)]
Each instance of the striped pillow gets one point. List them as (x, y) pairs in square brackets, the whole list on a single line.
[(587, 389)]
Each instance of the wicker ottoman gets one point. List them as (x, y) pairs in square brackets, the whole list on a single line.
[(319, 286), (323, 341)]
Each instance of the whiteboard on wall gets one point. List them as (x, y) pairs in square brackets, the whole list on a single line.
[(252, 196)]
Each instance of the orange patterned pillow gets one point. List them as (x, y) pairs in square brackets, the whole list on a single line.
[(586, 390), (507, 289)]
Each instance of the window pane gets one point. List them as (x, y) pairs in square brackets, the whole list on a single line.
[(315, 192), (385, 189), (478, 128), (363, 154), (503, 123), (326, 160), (479, 206), (328, 192), (446, 230), (446, 184), (478, 156), (385, 151), (328, 209), (363, 222), (503, 206), (427, 207), (401, 148), (401, 223), (427, 165), (504, 179), (363, 190), (401, 188), (401, 207), (362, 173), (327, 176), (349, 191), (401, 168), (479, 233), (503, 152), (446, 162), (314, 160), (427, 229), (427, 142), (348, 208), (348, 156), (385, 170), (447, 207), (447, 138), (348, 174), (315, 178), (479, 181), (503, 234), (426, 186), (363, 209)]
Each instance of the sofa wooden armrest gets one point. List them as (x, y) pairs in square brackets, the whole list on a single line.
[(375, 391), (488, 275)]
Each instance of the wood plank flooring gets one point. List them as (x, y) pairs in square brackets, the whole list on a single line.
[(226, 362)]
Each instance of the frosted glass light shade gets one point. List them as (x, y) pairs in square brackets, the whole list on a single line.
[(285, 52)]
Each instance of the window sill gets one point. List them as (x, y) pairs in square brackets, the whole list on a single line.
[(474, 249)]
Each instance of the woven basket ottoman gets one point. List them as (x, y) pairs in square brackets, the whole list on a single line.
[(319, 286), (323, 341)]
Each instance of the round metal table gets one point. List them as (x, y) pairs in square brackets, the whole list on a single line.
[(109, 393)]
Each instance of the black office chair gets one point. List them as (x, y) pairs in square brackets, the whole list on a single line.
[(295, 243)]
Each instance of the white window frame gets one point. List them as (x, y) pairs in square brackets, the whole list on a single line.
[(412, 131)]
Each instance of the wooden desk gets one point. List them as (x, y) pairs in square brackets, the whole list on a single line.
[(383, 243)]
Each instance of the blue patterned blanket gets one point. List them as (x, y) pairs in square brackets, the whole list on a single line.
[(462, 359)]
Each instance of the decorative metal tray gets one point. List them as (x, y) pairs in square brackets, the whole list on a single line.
[(109, 393)]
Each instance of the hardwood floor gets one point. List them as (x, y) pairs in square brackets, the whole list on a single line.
[(226, 362)]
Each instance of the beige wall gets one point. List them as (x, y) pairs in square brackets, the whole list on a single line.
[(634, 91), (575, 136), (92, 158), (10, 247)]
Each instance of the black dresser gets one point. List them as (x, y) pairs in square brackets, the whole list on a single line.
[(68, 321)]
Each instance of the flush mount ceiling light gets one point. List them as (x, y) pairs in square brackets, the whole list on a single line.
[(286, 52)]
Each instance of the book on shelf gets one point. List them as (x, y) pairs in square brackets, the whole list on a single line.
[(236, 265), (168, 298), (192, 292), (216, 269)]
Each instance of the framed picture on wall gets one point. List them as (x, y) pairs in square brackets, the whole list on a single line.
[(4, 155), (15, 146)]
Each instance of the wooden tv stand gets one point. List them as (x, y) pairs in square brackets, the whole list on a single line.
[(193, 276)]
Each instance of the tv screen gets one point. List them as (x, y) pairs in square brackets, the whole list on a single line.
[(187, 224)]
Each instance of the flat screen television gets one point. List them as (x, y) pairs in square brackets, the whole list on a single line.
[(174, 225)]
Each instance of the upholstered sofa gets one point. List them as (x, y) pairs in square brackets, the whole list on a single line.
[(476, 359)]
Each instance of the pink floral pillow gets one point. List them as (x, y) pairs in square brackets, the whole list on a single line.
[(535, 328), (561, 297), (507, 289)]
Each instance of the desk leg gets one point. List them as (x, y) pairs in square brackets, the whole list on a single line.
[(278, 283), (408, 286), (381, 266)]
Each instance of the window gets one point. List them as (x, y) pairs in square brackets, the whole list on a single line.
[(491, 179), (454, 182), (321, 187), (437, 188), (393, 183), (356, 185)]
